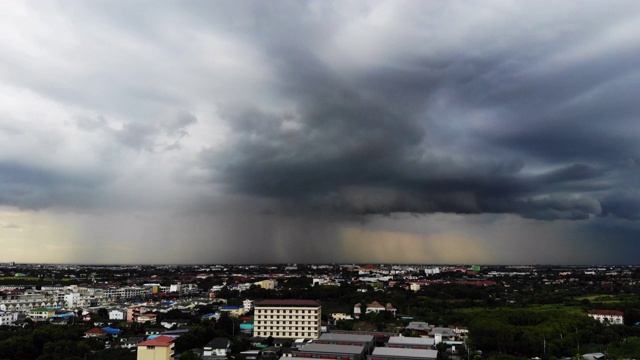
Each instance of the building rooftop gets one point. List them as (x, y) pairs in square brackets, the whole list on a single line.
[(404, 340), (332, 349), (405, 353), (159, 341), (291, 302), (346, 337), (217, 343), (606, 312)]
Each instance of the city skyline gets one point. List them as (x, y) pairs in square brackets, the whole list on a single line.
[(320, 132)]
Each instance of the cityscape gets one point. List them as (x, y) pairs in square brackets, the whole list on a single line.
[(319, 179), (327, 311)]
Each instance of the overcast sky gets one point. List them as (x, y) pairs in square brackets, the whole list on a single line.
[(325, 131)]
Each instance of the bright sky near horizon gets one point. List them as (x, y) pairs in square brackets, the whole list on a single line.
[(320, 131)]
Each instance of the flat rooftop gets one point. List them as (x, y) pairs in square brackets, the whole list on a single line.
[(405, 353), (346, 337), (403, 340), (332, 349), (291, 302)]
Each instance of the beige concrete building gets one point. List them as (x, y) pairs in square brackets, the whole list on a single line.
[(289, 319), (160, 348), (41, 314)]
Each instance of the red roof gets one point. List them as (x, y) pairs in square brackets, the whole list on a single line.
[(287, 303), (96, 331), (159, 341), (606, 312), (375, 305)]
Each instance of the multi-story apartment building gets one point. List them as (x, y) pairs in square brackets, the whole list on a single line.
[(159, 348), (41, 314), (8, 318), (287, 319), (128, 292)]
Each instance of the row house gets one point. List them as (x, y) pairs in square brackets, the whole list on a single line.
[(25, 305)]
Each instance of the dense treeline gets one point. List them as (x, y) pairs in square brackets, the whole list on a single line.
[(46, 342)]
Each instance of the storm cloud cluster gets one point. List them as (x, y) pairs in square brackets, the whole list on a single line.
[(333, 110), (508, 114)]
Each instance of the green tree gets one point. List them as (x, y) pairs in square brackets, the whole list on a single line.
[(103, 313), (190, 355)]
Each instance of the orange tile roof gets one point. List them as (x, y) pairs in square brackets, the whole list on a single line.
[(159, 341)]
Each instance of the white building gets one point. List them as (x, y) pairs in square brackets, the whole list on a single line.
[(71, 300), (608, 316), (218, 347), (116, 315), (8, 318), (287, 319), (248, 305), (431, 271)]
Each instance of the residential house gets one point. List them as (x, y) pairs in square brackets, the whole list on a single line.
[(146, 318), (96, 332), (169, 323), (608, 316), (217, 348), (130, 342), (378, 308)]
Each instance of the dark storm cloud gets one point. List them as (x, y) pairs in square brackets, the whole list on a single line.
[(508, 131), (36, 187), (272, 126)]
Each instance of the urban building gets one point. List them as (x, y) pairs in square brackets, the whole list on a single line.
[(385, 353), (217, 348), (608, 316), (330, 351), (409, 342), (41, 314), (8, 318), (365, 340), (287, 319), (160, 348)]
